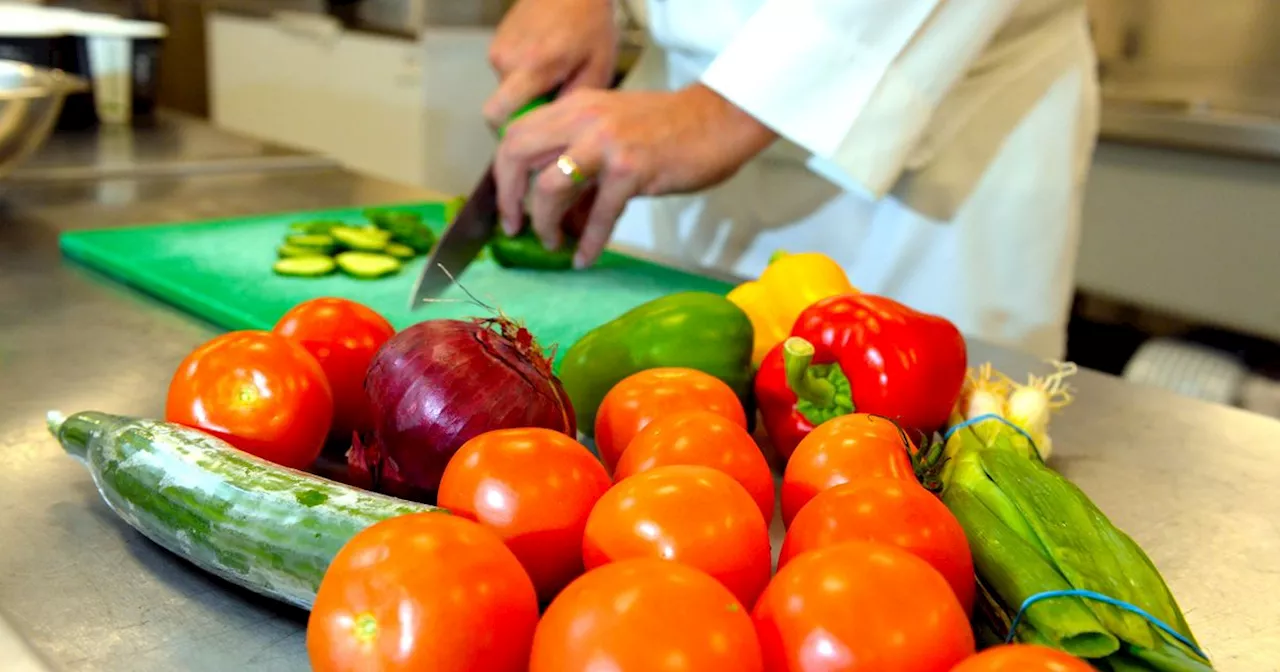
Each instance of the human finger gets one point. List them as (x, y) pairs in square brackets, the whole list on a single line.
[(514, 91), (611, 199), (526, 149), (558, 187), (596, 73)]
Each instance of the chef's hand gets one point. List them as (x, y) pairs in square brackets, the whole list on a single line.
[(542, 45), (622, 144)]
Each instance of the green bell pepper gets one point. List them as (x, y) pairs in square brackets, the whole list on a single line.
[(696, 330), (525, 250)]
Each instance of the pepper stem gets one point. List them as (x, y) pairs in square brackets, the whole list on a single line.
[(822, 390), (777, 254), (797, 356)]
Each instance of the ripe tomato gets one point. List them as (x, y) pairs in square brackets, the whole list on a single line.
[(649, 615), (890, 511), (343, 336), (258, 391), (534, 487), (840, 450), (705, 438), (641, 397), (687, 513), (424, 591), (1022, 658), (861, 606)]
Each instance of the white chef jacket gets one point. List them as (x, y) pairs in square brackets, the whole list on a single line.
[(937, 149)]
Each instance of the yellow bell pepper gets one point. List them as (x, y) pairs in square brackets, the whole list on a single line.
[(788, 285)]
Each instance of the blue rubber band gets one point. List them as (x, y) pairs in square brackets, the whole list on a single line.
[(946, 436), (1099, 597)]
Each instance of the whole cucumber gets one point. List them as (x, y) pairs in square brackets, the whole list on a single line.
[(267, 528), (696, 330)]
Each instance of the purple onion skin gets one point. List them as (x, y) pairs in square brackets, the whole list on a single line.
[(439, 383)]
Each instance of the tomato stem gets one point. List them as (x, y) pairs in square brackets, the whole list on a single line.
[(365, 628)]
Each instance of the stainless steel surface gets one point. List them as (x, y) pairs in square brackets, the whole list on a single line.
[(30, 100), (357, 18), (16, 652), (1190, 128), (1192, 482), (175, 144), (1191, 74), (461, 242)]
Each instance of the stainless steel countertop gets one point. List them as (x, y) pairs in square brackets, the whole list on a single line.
[(1192, 482), (1190, 128), (174, 144)]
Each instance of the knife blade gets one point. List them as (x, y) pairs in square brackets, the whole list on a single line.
[(461, 242), (470, 230)]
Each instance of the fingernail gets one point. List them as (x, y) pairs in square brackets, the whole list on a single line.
[(509, 227), (579, 261)]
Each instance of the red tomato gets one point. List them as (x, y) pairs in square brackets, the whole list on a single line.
[(861, 606), (645, 615), (534, 487), (840, 450), (641, 397), (1023, 658), (890, 511), (258, 391), (691, 514), (343, 336), (424, 591), (708, 439)]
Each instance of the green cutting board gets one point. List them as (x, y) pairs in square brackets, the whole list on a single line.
[(220, 270)]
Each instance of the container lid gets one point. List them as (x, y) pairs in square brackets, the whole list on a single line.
[(29, 22), (144, 29), (86, 24)]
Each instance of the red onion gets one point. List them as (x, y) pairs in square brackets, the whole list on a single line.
[(439, 383)]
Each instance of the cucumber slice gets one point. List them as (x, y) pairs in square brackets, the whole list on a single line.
[(367, 265), (311, 241), (313, 227), (406, 228), (400, 251), (366, 239), (305, 267), (287, 251)]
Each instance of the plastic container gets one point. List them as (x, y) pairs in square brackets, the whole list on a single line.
[(120, 57), (30, 36), (1189, 369)]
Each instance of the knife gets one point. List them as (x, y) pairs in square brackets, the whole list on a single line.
[(469, 232)]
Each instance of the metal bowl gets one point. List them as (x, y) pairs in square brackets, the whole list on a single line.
[(30, 100)]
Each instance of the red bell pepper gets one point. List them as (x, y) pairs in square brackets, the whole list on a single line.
[(860, 353)]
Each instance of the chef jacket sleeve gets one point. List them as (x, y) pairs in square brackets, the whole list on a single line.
[(854, 82)]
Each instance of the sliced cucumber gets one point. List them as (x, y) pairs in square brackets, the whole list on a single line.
[(367, 265), (315, 226), (400, 251), (311, 241), (306, 267), (367, 239), (406, 228), (287, 251)]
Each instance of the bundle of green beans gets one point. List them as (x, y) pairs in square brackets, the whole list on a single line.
[(1032, 531)]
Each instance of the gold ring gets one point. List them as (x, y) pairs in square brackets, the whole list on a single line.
[(570, 168)]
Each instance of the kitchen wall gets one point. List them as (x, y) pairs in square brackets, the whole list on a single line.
[(1180, 211), (1225, 53)]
